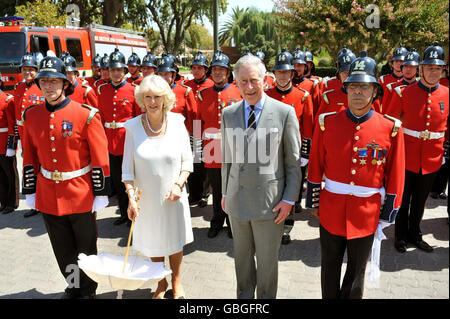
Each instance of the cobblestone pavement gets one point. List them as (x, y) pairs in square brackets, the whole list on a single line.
[(30, 271)]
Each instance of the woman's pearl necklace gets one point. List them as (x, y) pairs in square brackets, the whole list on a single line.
[(150, 127)]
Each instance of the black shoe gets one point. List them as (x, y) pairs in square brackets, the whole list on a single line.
[(443, 195), (193, 203), (400, 245), (212, 232), (90, 296), (120, 220), (434, 195), (203, 202), (286, 239), (7, 210), (30, 213), (229, 232), (422, 245)]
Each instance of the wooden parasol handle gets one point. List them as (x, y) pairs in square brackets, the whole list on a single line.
[(138, 192)]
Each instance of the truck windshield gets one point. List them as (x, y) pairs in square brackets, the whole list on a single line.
[(12, 46)]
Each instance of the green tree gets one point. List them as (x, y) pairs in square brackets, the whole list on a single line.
[(253, 30), (376, 26), (174, 17), (41, 13), (198, 37)]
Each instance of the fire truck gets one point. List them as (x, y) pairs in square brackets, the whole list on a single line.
[(17, 38)]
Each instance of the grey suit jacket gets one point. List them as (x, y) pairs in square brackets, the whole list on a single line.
[(260, 169)]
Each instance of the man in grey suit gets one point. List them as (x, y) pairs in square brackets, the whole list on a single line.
[(260, 178)]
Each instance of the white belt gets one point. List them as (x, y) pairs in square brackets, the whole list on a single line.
[(3, 129), (63, 176), (358, 191), (19, 123), (211, 136), (425, 135), (114, 125)]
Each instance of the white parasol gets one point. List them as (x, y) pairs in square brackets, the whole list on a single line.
[(121, 272)]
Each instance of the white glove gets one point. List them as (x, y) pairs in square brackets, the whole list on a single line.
[(100, 202), (10, 152), (303, 161), (30, 200)]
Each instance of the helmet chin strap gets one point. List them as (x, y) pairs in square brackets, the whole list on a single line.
[(62, 91)]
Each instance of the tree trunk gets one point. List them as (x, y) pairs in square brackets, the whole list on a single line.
[(113, 13)]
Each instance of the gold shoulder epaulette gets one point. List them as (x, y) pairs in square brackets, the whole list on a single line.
[(389, 86), (98, 89), (88, 88), (200, 97), (305, 95), (382, 78), (92, 112), (9, 97), (397, 124), (322, 119), (324, 95), (398, 89)]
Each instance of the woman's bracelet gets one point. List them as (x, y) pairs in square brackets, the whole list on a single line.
[(180, 186)]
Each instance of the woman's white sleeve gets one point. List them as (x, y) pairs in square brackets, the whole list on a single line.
[(128, 157), (187, 158)]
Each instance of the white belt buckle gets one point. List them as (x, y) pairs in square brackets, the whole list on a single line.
[(425, 135), (56, 176)]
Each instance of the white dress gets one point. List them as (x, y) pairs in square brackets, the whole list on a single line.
[(154, 164)]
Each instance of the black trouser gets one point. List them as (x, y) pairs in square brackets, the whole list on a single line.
[(115, 167), (198, 183), (219, 216), (415, 194), (9, 182), (440, 183), (71, 235), (332, 250)]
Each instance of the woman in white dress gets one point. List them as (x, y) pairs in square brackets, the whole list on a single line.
[(158, 160)]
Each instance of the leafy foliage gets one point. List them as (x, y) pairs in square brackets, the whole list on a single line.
[(41, 13)]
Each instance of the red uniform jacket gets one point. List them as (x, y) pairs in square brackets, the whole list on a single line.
[(137, 80), (333, 100), (116, 105), (269, 82), (198, 85), (391, 89), (98, 83), (84, 94), (331, 83), (301, 101), (367, 152), (389, 78), (25, 95), (91, 82), (212, 101), (420, 108), (186, 105), (309, 86), (318, 84), (444, 81), (64, 138), (7, 122)]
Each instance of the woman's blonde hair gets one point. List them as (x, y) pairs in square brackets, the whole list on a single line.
[(159, 87)]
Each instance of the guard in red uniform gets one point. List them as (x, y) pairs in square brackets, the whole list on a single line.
[(134, 68), (299, 80), (26, 93), (117, 105), (66, 172), (360, 154), (9, 178), (269, 78), (198, 181), (148, 66), (104, 71), (334, 98), (96, 75), (318, 81), (410, 70), (185, 103), (397, 61), (82, 93), (301, 101), (211, 103), (423, 107)]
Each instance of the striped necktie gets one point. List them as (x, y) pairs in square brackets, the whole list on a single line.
[(251, 118)]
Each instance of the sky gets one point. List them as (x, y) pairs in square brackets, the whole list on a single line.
[(263, 5)]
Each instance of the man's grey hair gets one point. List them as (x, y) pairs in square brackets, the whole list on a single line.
[(247, 60)]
